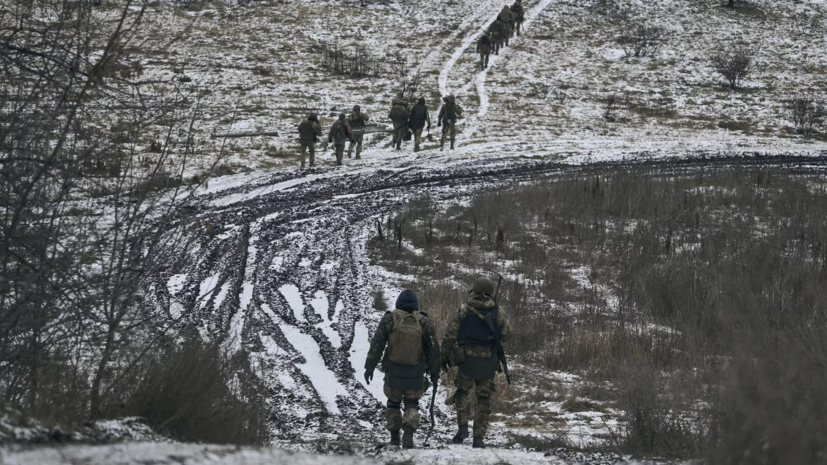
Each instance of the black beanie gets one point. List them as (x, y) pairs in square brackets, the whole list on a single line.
[(407, 301)]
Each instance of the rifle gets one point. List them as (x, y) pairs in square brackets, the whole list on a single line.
[(431, 409), (496, 335)]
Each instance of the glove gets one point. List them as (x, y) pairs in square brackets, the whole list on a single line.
[(439, 124), (368, 375)]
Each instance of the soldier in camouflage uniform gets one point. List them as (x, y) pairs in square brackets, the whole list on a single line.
[(339, 135), (468, 343), (399, 115), (484, 49), (357, 123), (519, 15), (507, 19), (405, 363), (496, 31), (309, 132), (448, 115), (419, 117)]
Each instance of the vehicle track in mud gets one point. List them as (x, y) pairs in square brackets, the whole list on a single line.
[(281, 269)]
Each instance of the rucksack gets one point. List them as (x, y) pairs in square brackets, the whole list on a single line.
[(398, 113), (419, 114), (405, 339)]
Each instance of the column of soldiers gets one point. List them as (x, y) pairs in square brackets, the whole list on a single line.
[(508, 22), (405, 344)]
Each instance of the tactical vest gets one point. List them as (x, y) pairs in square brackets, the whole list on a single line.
[(418, 116), (450, 115), (474, 331)]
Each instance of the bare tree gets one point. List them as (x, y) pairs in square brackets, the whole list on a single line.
[(733, 64), (86, 215), (642, 40), (807, 113)]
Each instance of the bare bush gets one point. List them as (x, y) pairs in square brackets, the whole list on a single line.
[(807, 113), (356, 64), (734, 64), (643, 40)]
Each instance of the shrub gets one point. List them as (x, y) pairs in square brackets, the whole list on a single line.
[(643, 40), (807, 113), (196, 392), (733, 65)]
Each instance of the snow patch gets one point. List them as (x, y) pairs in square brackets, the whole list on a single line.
[(293, 296)]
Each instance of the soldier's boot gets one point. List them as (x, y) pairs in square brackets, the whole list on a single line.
[(462, 434), (407, 437), (479, 443), (395, 438), (359, 151)]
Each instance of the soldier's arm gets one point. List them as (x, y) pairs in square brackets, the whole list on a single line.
[(502, 322), (428, 117), (449, 339), (379, 341), (431, 345)]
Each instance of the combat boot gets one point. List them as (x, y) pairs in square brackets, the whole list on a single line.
[(407, 437), (461, 435), (395, 438), (479, 443)]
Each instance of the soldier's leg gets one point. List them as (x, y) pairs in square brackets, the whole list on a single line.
[(359, 145), (417, 138), (453, 135), (487, 57), (302, 154), (485, 388), (445, 129), (394, 413), (312, 149), (350, 148), (340, 152)]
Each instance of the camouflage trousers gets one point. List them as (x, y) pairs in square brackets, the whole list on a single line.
[(484, 389), (399, 130), (396, 419), (303, 149), (448, 130), (340, 153), (417, 135), (356, 142), (485, 53)]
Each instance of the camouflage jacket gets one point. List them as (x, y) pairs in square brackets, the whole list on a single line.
[(506, 16), (519, 12), (430, 346), (450, 110), (339, 133), (309, 131), (449, 340), (357, 120)]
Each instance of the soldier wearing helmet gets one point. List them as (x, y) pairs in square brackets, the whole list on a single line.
[(339, 134), (357, 121), (469, 344), (309, 132)]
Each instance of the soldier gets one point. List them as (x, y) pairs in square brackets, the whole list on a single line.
[(419, 117), (507, 19), (412, 350), (468, 343), (448, 115), (399, 116), (309, 132), (484, 49), (339, 134), (519, 15), (496, 31), (357, 123)]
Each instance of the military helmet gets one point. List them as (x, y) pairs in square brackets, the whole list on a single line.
[(342, 116), (356, 108), (483, 285)]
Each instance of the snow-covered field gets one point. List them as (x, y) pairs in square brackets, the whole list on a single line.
[(281, 267)]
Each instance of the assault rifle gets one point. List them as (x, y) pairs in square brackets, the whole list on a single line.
[(496, 335)]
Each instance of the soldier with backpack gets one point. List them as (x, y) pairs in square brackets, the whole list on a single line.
[(419, 117), (496, 31), (484, 49), (470, 343), (309, 132), (507, 19), (357, 123), (339, 134), (519, 15), (407, 338), (399, 116), (448, 115)]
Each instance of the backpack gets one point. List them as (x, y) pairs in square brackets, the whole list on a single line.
[(419, 114), (405, 339), (399, 113)]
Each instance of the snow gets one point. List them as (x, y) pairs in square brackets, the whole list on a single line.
[(176, 283), (321, 305), (358, 355), (327, 386), (294, 299)]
